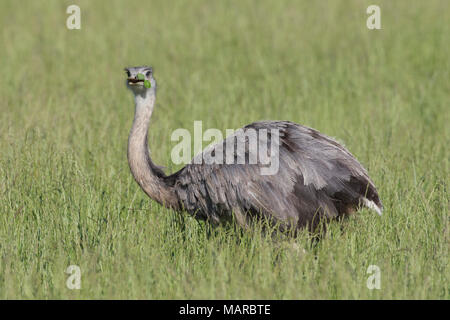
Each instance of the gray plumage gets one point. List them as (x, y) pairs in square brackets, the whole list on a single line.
[(317, 177)]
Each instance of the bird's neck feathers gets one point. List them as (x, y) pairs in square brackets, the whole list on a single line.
[(145, 172), (144, 104)]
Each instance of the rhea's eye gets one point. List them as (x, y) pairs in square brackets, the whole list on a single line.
[(148, 74)]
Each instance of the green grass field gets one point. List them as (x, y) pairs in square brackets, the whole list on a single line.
[(67, 196)]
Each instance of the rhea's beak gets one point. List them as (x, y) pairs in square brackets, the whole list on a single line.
[(135, 81)]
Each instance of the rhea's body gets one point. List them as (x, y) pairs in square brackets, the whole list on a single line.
[(316, 178)]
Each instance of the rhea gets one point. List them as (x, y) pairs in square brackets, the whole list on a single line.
[(317, 179)]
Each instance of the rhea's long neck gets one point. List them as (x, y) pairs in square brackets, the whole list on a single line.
[(145, 172)]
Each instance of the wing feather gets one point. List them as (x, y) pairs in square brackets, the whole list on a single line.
[(317, 176)]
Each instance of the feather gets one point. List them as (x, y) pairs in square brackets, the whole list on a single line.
[(317, 177)]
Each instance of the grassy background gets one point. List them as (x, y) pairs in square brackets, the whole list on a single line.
[(67, 196)]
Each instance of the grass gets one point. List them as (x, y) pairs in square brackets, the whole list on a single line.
[(67, 196)]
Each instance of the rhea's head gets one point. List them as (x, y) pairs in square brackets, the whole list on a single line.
[(140, 80)]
